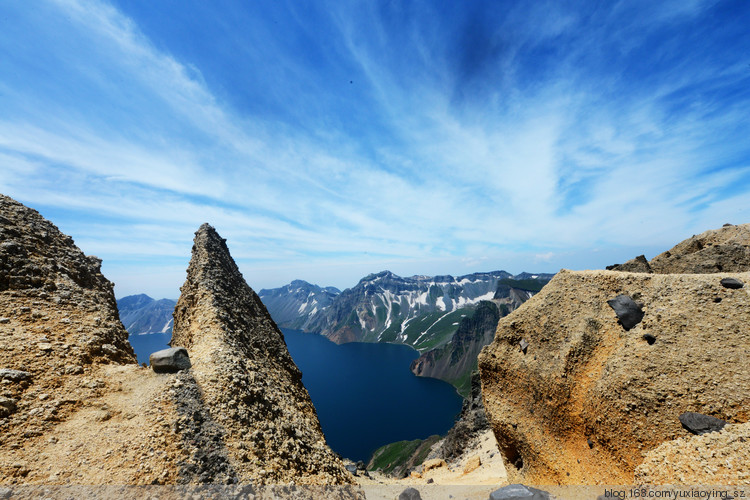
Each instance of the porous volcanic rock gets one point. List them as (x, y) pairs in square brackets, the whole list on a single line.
[(726, 249), (59, 318), (72, 411), (589, 399), (250, 384), (716, 458)]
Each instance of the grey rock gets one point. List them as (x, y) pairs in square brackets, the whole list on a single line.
[(410, 494), (170, 360), (519, 492), (637, 265), (698, 423), (4, 320), (7, 406), (13, 375), (352, 469), (524, 345), (109, 349), (5, 493), (732, 283), (629, 312)]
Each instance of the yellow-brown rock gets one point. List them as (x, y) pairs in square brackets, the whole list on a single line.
[(586, 399), (472, 464), (434, 463), (249, 382), (716, 458), (76, 408)]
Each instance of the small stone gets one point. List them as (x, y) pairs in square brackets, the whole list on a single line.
[(109, 349), (7, 406), (435, 463), (523, 345), (472, 464), (649, 338), (13, 375), (410, 494), (698, 423), (629, 313), (4, 320), (519, 492), (352, 469), (170, 360), (73, 370), (732, 283)]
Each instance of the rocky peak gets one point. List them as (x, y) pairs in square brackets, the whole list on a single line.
[(47, 281), (249, 382), (726, 249)]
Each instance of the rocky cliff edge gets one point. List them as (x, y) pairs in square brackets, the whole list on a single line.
[(75, 408), (577, 395)]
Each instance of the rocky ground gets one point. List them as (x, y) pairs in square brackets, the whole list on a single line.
[(716, 458)]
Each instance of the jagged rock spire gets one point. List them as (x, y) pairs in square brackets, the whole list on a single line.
[(250, 383)]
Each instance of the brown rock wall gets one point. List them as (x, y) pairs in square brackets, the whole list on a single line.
[(588, 399)]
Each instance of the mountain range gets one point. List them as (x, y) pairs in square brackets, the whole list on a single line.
[(140, 314), (446, 319), (433, 314)]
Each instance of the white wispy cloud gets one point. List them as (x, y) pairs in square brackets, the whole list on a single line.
[(441, 153)]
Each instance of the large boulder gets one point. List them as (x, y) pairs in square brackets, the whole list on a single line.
[(170, 360), (588, 398)]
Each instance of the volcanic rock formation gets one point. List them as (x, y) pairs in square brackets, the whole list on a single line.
[(251, 387), (726, 249), (575, 398), (75, 408)]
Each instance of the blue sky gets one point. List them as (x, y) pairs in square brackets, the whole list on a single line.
[(328, 140)]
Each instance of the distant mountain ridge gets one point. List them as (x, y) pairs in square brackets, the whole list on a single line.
[(420, 311), (436, 315), (294, 305), (140, 314)]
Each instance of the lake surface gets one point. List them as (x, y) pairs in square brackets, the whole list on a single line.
[(365, 394), (144, 345)]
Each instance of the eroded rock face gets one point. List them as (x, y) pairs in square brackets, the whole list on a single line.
[(249, 382), (588, 398), (59, 319), (76, 408)]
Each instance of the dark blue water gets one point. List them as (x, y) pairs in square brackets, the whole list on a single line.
[(144, 345), (366, 396)]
